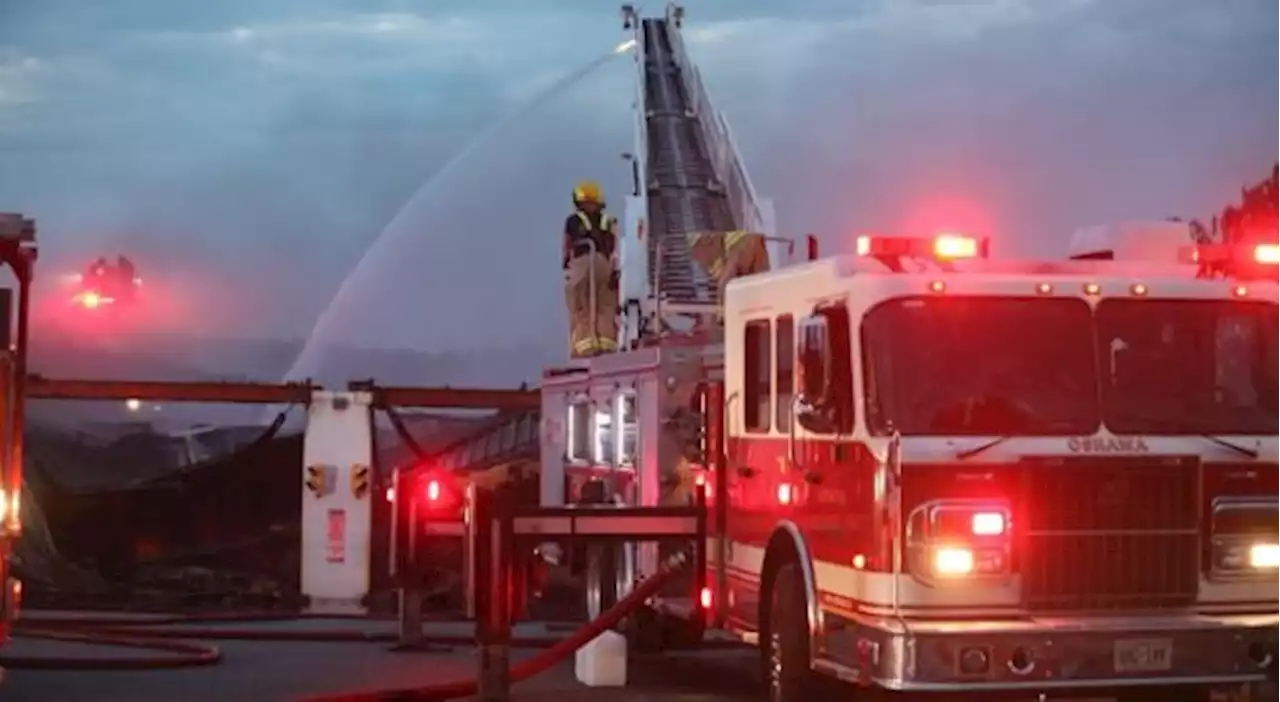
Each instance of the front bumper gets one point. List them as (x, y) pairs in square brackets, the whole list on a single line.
[(1067, 653)]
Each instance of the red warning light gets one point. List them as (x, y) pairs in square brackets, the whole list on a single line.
[(944, 246), (434, 491), (91, 300)]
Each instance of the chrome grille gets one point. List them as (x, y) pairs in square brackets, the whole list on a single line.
[(1109, 533)]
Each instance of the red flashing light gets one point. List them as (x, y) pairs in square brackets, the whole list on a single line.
[(391, 494), (434, 491), (987, 524), (91, 300), (704, 598), (785, 494), (945, 246), (955, 246), (1267, 254), (1263, 254)]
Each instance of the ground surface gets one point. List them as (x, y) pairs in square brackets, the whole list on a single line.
[(278, 672)]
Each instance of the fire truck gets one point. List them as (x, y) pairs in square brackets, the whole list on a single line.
[(932, 471), (18, 253), (105, 285)]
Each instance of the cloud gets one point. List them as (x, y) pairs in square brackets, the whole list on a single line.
[(261, 145), (1024, 119), (17, 76)]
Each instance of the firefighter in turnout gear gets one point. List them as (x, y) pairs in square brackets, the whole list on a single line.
[(727, 255), (591, 274)]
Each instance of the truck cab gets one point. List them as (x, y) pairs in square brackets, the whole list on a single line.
[(944, 473)]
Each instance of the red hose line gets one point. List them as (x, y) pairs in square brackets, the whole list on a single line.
[(185, 655), (178, 627), (533, 666), (26, 618)]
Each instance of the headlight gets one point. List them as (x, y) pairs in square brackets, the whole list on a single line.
[(1242, 537), (955, 539)]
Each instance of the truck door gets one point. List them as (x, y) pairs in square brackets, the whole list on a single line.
[(749, 467), (824, 475)]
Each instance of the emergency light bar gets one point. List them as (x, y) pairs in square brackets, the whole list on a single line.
[(943, 246), (1263, 254)]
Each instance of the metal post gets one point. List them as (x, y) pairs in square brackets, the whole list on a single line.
[(700, 552), (472, 552), (714, 432), (411, 583), (19, 416), (493, 601)]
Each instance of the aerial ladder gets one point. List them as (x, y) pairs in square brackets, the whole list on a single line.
[(693, 197)]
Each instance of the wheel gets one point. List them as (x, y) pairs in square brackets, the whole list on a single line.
[(785, 646)]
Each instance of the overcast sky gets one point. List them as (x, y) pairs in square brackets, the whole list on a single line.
[(246, 152)]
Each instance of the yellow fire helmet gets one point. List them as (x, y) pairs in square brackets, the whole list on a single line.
[(587, 191)]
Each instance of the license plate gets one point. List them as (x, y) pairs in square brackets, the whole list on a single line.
[(1143, 655)]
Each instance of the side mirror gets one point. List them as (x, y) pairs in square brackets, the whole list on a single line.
[(815, 399)]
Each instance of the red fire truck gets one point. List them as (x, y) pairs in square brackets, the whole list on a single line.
[(18, 253), (932, 471)]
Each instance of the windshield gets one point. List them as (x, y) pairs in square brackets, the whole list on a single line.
[(961, 365), (1188, 366)]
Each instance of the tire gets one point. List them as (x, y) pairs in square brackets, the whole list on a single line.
[(784, 647)]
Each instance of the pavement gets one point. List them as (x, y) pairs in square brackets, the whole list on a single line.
[(253, 671)]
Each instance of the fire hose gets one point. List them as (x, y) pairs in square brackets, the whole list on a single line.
[(173, 637), (524, 670)]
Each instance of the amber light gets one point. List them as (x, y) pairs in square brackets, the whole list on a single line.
[(955, 246), (1262, 556), (952, 560), (1092, 289), (1138, 289)]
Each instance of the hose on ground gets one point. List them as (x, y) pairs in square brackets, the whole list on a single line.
[(123, 632), (174, 636), (202, 627), (181, 654), (539, 663)]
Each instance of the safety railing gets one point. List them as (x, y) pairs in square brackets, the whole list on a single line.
[(633, 250)]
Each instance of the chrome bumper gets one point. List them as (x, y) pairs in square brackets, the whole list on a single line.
[(1047, 654)]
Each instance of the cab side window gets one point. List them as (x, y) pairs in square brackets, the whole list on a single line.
[(757, 371), (785, 348)]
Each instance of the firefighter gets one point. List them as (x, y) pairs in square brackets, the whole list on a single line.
[(97, 270), (591, 274), (125, 276), (126, 270), (727, 255)]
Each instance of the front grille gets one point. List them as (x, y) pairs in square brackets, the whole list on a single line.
[(1109, 533)]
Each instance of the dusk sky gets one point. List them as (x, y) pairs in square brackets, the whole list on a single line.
[(247, 152)]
